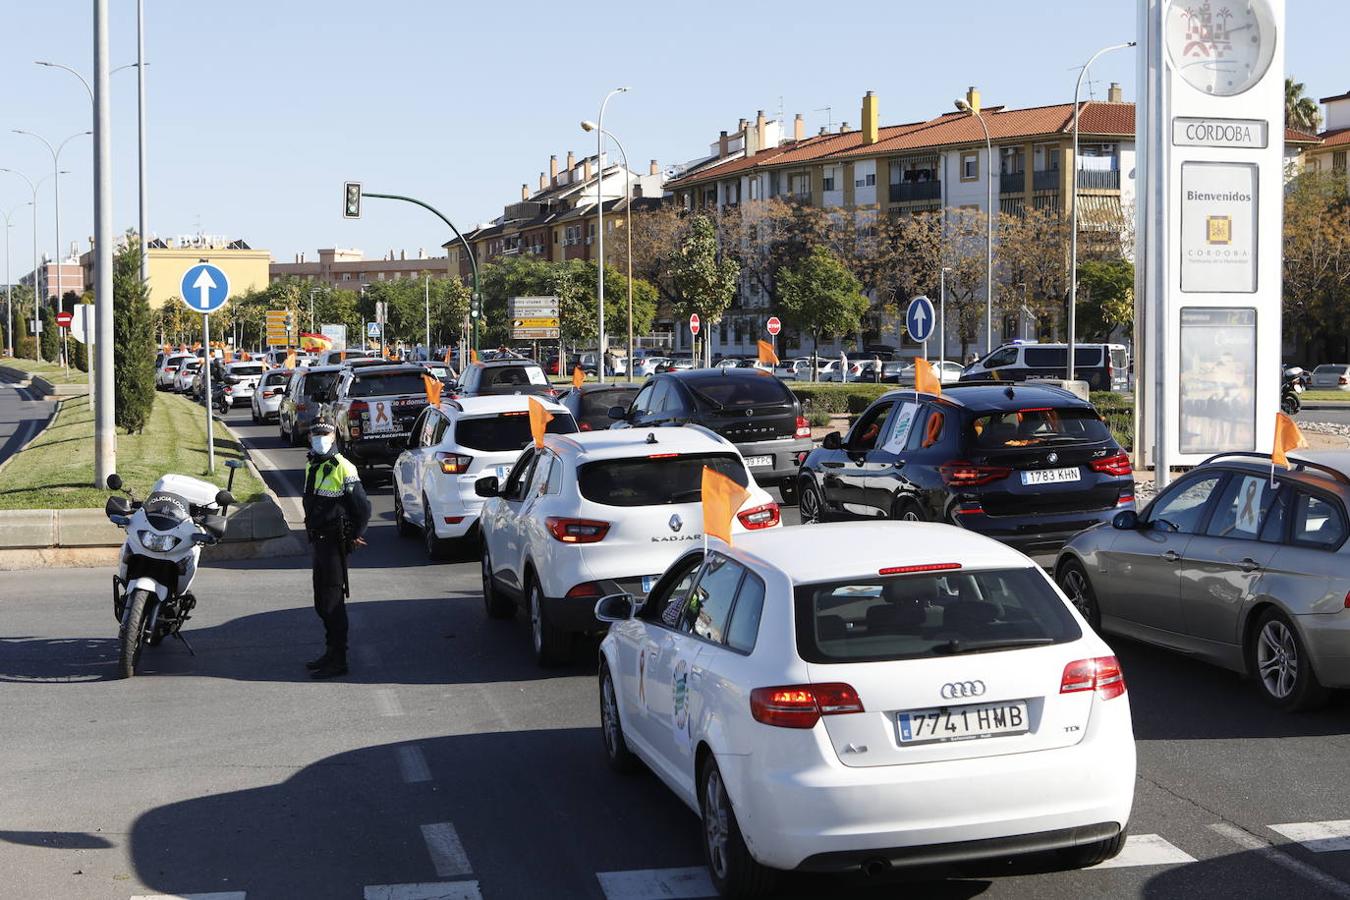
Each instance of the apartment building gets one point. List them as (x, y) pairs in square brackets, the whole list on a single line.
[(68, 275), (167, 259), (1329, 154), (349, 269)]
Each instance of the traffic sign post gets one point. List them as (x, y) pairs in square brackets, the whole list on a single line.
[(204, 290), (919, 321), (773, 326), (693, 329), (534, 318)]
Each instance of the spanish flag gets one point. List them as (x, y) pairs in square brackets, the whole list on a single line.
[(315, 343), (722, 497), (539, 419), (925, 379)]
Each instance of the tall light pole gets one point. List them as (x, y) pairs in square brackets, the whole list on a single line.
[(600, 226), (942, 320), (1073, 209), (56, 178), (628, 230), (105, 436), (34, 186), (965, 107), (9, 287)]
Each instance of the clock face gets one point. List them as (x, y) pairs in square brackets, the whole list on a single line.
[(1221, 47)]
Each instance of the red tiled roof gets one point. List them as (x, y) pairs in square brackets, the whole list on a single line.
[(1338, 138)]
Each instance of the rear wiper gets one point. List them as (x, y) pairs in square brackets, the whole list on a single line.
[(955, 646), (691, 494), (704, 397)]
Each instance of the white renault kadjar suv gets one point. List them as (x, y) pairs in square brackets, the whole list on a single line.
[(449, 448), (596, 513), (862, 696)]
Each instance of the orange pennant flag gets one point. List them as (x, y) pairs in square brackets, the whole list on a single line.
[(1287, 437), (434, 387), (578, 376), (766, 354), (167, 351), (539, 419), (342, 356), (473, 356), (229, 355), (244, 357), (290, 360), (722, 497), (925, 379), (447, 356)]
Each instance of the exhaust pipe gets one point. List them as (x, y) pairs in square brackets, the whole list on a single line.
[(874, 867)]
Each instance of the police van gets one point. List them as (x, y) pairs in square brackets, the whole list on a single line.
[(1105, 367)]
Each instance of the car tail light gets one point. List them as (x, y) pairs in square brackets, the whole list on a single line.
[(922, 567), (228, 389), (583, 426), (1124, 499), (1343, 380), (170, 369), (576, 531), (803, 428), (959, 473), (453, 463), (1119, 464), (1101, 674), (802, 705), (453, 520), (583, 590), (1347, 599), (765, 516)]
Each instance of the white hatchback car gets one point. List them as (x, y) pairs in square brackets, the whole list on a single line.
[(241, 379), (597, 513), (187, 371), (862, 696), (266, 403), (168, 369), (450, 447)]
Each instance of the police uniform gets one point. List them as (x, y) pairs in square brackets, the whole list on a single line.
[(337, 511)]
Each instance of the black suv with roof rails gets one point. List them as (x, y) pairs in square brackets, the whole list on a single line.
[(749, 407), (1027, 465)]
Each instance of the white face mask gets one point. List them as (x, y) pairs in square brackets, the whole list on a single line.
[(321, 444)]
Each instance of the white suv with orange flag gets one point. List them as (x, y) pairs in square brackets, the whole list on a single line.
[(598, 513)]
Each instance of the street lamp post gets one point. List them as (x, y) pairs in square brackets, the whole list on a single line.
[(56, 176), (628, 232), (965, 107), (942, 319), (105, 434), (1073, 208), (33, 187), (9, 287), (600, 226), (312, 292)]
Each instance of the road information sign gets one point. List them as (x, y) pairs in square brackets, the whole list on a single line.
[(919, 319), (204, 288), (534, 318), (278, 333), (82, 323)]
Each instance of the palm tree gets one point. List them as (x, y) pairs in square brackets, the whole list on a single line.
[(1300, 111)]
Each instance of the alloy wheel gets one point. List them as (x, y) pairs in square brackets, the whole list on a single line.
[(1077, 591), (536, 619), (1277, 659), (715, 826), (808, 502), (609, 713)]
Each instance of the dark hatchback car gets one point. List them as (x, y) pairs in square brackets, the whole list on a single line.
[(590, 404), (1027, 465), (750, 408), (504, 376)]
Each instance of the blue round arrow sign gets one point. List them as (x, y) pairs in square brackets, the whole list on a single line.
[(205, 288), (919, 319)]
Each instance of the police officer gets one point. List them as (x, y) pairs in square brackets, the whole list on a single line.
[(336, 514)]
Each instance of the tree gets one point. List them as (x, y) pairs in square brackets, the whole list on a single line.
[(1317, 263), (1300, 111), (133, 341), (1033, 258), (1105, 298), (704, 279), (819, 295), (510, 276), (574, 282)]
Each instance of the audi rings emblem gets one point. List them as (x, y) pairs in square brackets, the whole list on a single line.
[(954, 690)]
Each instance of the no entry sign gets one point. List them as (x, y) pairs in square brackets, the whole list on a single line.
[(693, 324), (63, 319)]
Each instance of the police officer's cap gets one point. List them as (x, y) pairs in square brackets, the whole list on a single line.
[(322, 428)]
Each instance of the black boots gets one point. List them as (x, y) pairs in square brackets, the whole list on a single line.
[(320, 661), (332, 667)]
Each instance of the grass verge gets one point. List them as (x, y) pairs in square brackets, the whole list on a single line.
[(1324, 395), (55, 470), (53, 373)]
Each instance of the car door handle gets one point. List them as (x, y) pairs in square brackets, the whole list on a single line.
[(1171, 556), (1249, 565)]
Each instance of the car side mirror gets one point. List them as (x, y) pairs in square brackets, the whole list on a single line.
[(487, 486), (833, 441), (114, 482), (617, 608), (618, 412), (1125, 520)]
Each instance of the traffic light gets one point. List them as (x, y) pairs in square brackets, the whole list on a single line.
[(352, 207)]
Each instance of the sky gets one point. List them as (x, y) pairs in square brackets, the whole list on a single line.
[(258, 111)]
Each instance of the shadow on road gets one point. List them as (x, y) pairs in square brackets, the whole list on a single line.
[(56, 840)]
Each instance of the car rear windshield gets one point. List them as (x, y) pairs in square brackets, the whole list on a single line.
[(912, 616), (272, 379), (509, 431), (655, 480), (1330, 370), (319, 383), (387, 384), (244, 371), (1038, 427), (506, 376), (741, 391), (598, 403)]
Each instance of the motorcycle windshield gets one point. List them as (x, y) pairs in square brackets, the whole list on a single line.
[(165, 511)]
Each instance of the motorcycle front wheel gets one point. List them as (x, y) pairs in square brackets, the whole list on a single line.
[(131, 635), (1290, 404)]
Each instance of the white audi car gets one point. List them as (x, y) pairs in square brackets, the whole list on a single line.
[(450, 447), (266, 403), (862, 696), (596, 513)]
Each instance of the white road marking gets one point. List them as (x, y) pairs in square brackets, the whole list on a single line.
[(1147, 850), (412, 764), (1259, 845), (386, 700), (447, 853), (1319, 837), (293, 508), (435, 890), (219, 895), (657, 884)]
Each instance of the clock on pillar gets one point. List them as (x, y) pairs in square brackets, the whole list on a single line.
[(1221, 49)]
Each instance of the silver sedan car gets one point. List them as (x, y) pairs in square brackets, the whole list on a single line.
[(1235, 566)]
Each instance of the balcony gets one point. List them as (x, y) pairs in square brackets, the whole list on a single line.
[(1012, 182), (1047, 180), (1099, 179), (916, 190)]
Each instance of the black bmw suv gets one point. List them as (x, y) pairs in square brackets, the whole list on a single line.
[(750, 408), (1030, 466)]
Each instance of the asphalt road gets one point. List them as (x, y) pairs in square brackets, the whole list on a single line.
[(448, 760), (21, 417), (1320, 412)]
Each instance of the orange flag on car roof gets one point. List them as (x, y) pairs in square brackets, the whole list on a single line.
[(447, 356), (229, 355), (722, 497), (539, 419), (473, 356), (1287, 437), (290, 360), (925, 379), (434, 387), (766, 354), (578, 376)]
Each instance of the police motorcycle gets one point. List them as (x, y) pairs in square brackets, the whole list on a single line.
[(165, 535), (1291, 385)]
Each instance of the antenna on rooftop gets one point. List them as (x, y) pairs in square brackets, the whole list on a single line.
[(1089, 81), (829, 116)]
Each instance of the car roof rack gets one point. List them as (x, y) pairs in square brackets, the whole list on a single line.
[(1300, 465)]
